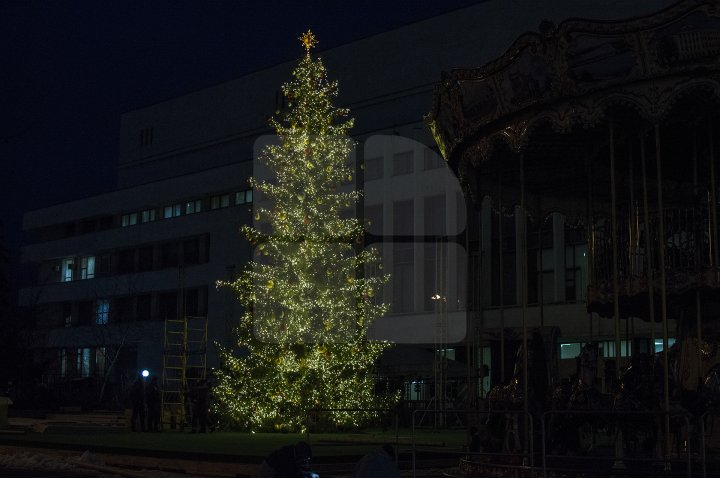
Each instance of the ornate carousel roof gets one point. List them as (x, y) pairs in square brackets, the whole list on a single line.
[(551, 89)]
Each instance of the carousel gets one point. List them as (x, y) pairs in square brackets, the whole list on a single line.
[(614, 125)]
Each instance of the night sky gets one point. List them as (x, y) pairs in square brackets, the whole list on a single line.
[(71, 68)]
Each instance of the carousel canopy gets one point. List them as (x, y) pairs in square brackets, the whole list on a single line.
[(540, 121)]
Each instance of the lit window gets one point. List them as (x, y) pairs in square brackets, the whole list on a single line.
[(569, 351), (83, 361), (191, 207), (87, 267), (148, 215), (659, 344), (102, 312), (66, 271), (63, 359), (129, 219), (243, 197), (172, 211)]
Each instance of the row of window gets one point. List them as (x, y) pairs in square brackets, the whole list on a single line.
[(172, 304), (606, 348), (402, 163), (142, 258), (187, 208)]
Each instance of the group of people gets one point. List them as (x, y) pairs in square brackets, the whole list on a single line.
[(147, 405), (293, 461)]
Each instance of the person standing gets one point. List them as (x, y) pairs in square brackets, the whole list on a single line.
[(200, 404), (137, 399), (152, 399)]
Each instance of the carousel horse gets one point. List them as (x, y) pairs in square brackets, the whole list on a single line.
[(568, 431), (509, 398)]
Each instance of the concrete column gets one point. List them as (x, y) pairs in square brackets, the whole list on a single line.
[(486, 250)]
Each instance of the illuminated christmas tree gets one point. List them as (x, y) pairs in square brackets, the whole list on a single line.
[(308, 298)]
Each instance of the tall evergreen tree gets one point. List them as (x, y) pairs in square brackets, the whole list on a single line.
[(302, 341)]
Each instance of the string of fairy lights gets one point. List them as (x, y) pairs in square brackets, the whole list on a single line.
[(302, 344)]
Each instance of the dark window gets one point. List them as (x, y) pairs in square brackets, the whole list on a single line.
[(123, 309), (167, 305), (144, 307), (86, 313), (403, 163), (169, 254), (432, 160), (126, 261), (102, 264), (87, 226), (145, 258), (191, 251), (373, 168), (104, 223), (195, 305)]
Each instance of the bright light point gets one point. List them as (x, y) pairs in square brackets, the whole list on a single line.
[(145, 373)]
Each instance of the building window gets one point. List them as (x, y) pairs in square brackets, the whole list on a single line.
[(191, 251), (403, 277), (192, 207), (100, 354), (148, 215), (403, 219), (64, 362), (403, 163), (102, 311), (374, 168), (126, 261), (374, 219), (167, 305), (66, 270), (83, 361), (169, 254), (575, 271), (571, 350), (172, 211), (145, 258), (102, 264), (129, 219), (146, 136), (87, 267), (244, 197), (659, 344), (223, 200), (432, 160)]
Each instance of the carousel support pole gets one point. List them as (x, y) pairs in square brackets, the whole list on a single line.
[(590, 234), (501, 275), (698, 308), (663, 289), (523, 299), (648, 252), (713, 199), (616, 294)]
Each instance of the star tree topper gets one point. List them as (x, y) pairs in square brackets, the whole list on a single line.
[(308, 40)]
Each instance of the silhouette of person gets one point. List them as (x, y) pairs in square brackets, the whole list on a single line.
[(287, 462), (137, 399), (152, 400)]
